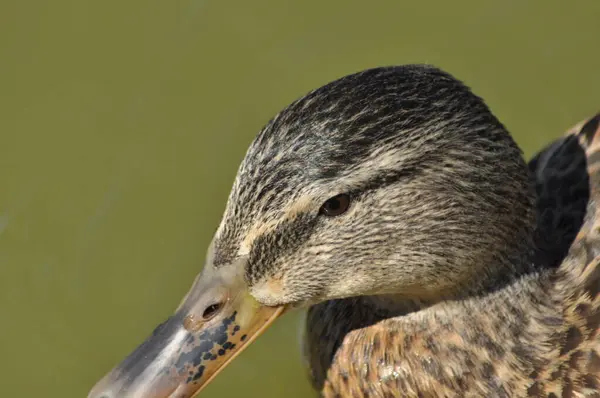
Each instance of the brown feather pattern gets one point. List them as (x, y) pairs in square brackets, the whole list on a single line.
[(457, 270), (536, 338)]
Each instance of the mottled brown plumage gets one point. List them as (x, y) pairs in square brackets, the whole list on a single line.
[(449, 269), (538, 337)]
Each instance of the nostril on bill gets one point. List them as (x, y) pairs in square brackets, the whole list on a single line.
[(212, 310)]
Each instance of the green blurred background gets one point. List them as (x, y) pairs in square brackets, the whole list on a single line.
[(122, 124)]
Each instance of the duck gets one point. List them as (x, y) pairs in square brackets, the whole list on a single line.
[(433, 261)]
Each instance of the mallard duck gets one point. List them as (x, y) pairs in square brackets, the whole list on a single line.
[(433, 260)]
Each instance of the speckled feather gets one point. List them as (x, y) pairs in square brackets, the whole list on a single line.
[(457, 270), (538, 337), (389, 137), (450, 268)]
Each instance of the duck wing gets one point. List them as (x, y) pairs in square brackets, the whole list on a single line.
[(564, 173), (576, 372)]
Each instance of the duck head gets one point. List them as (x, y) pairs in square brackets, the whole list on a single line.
[(394, 180)]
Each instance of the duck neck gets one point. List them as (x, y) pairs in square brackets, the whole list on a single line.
[(500, 272)]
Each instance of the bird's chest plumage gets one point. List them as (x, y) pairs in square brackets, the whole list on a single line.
[(352, 351), (328, 329)]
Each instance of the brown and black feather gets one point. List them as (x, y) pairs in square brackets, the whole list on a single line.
[(538, 337)]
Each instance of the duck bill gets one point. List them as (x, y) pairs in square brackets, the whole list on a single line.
[(216, 321)]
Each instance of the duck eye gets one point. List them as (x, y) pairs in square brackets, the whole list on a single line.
[(336, 205)]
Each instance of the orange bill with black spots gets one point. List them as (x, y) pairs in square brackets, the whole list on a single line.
[(216, 320)]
